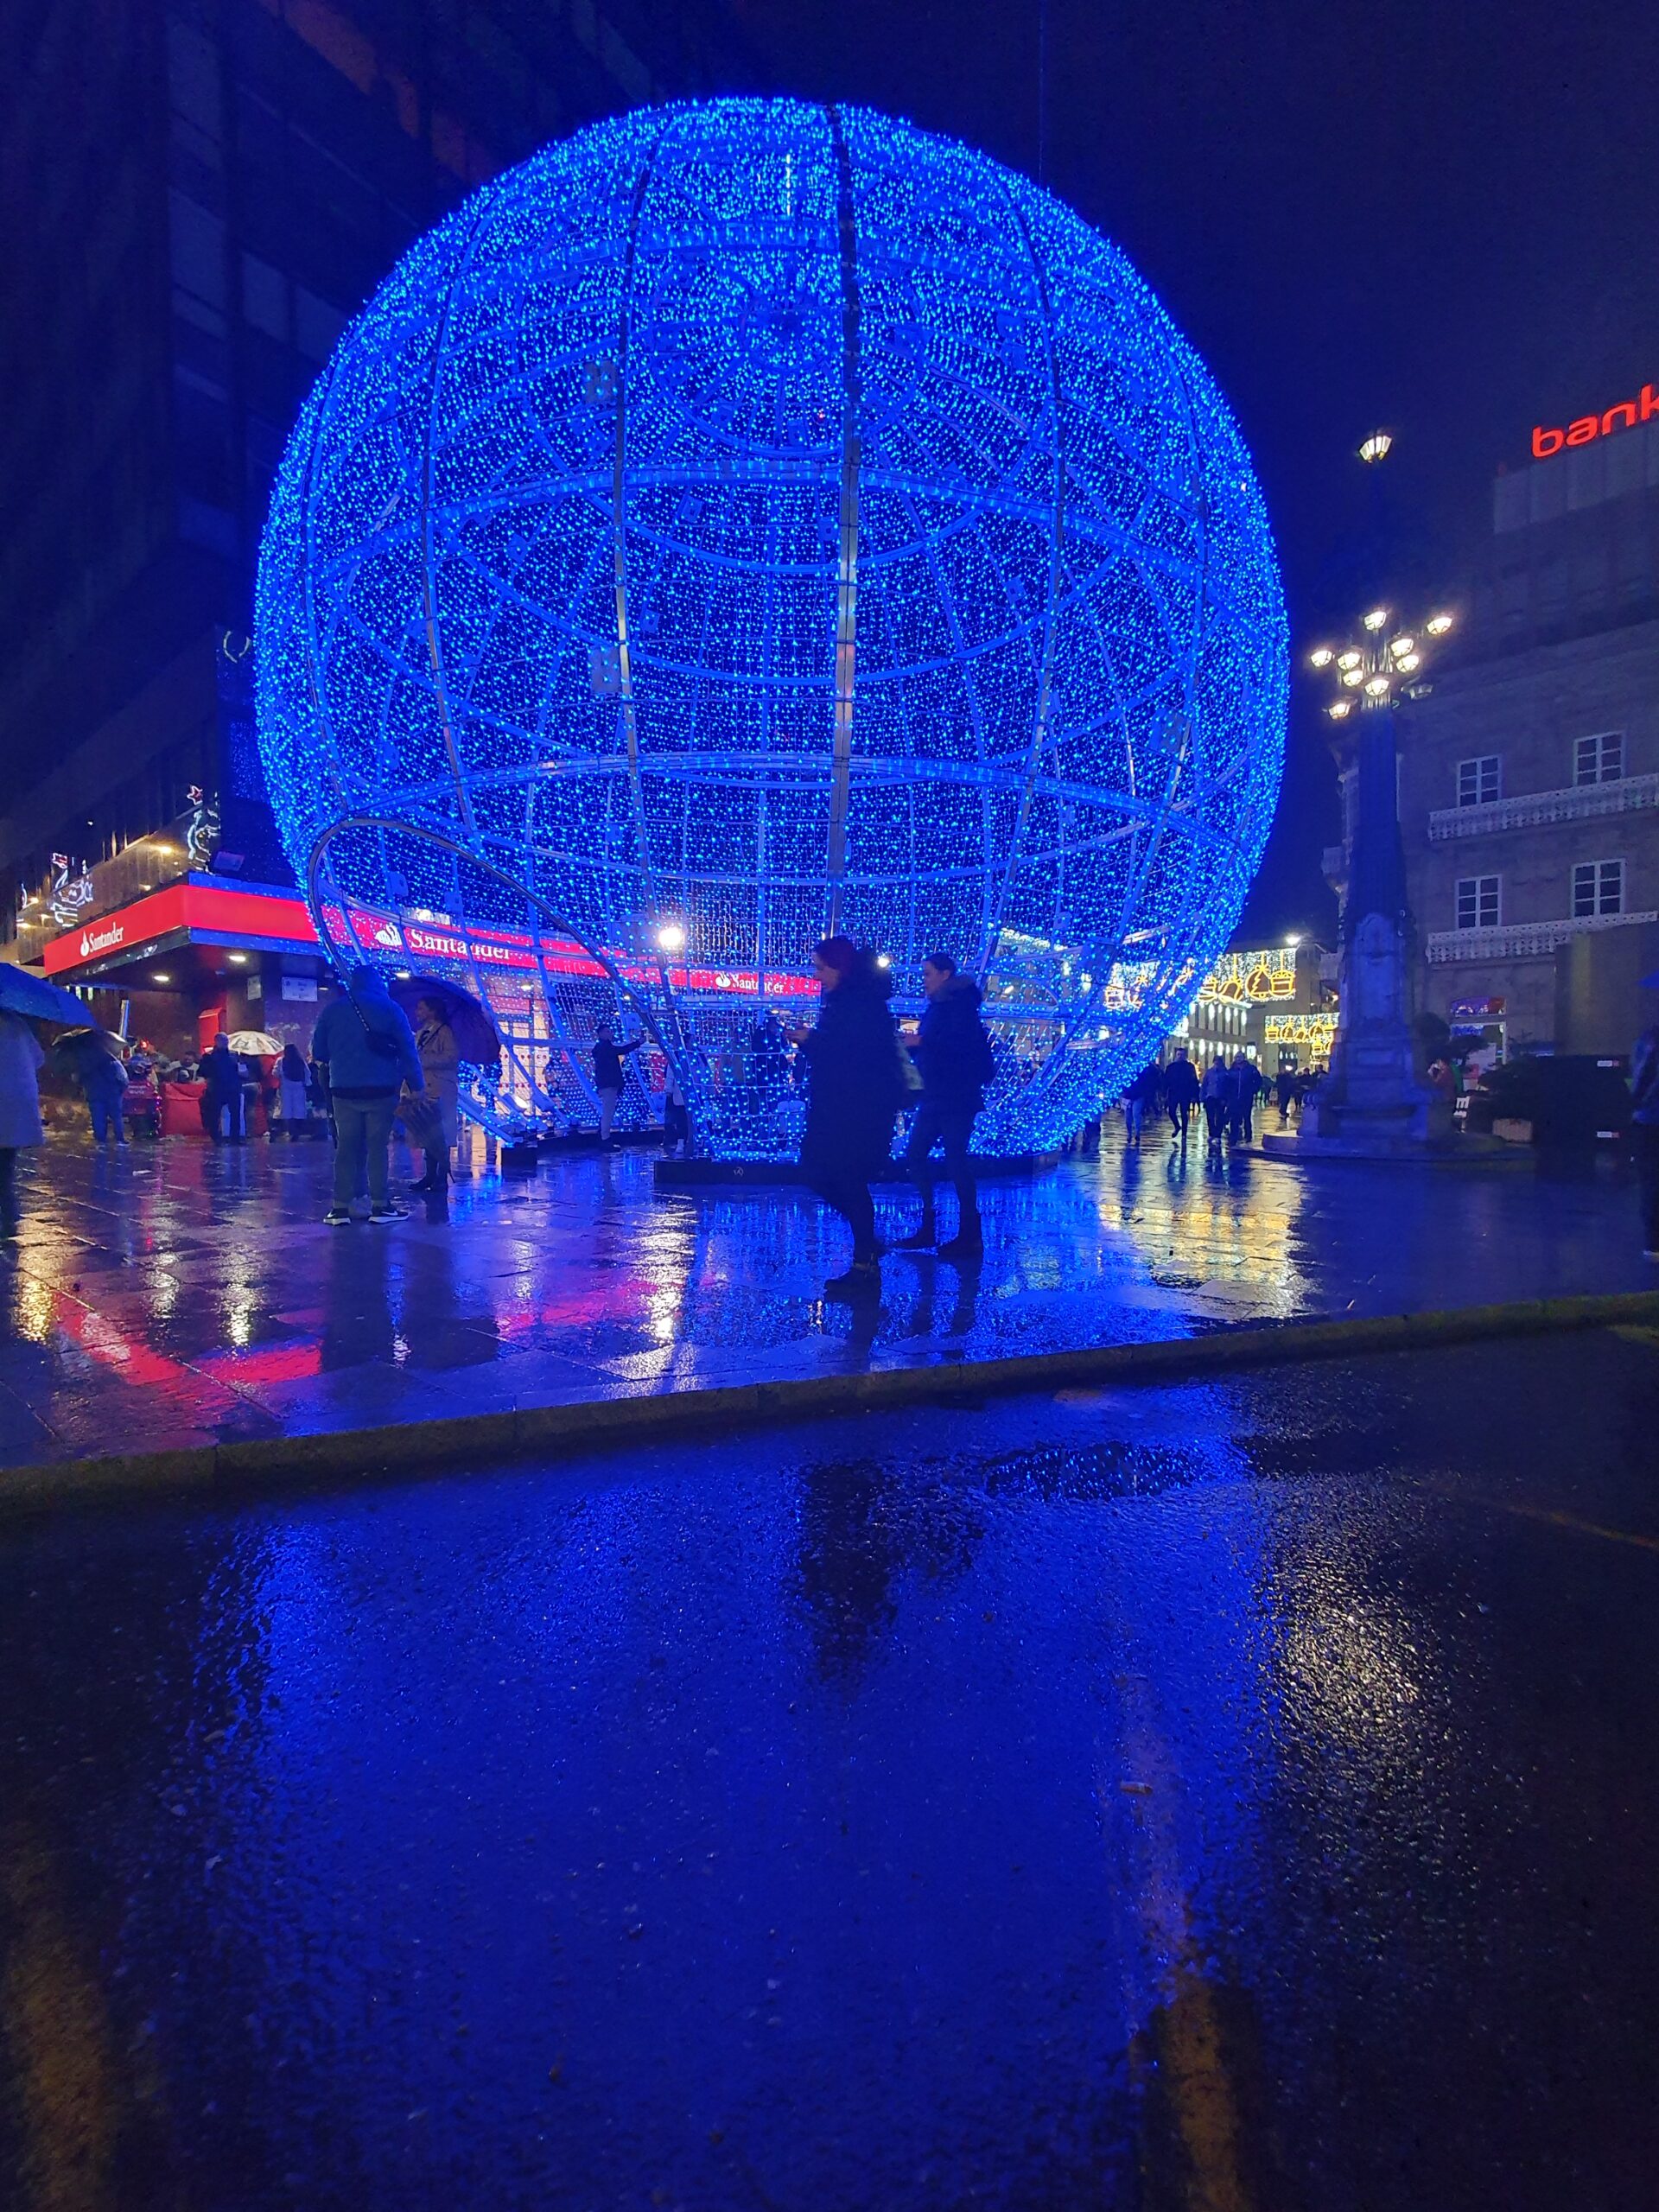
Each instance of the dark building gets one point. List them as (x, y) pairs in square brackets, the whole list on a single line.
[(197, 194)]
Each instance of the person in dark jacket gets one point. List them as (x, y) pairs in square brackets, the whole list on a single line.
[(953, 1054), (1140, 1099), (854, 1089), (364, 1053), (1180, 1092), (609, 1078), (222, 1071), (1244, 1086), (1218, 1103)]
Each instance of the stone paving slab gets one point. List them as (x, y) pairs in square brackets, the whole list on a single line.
[(181, 1296)]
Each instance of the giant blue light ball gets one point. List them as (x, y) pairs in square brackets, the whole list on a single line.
[(750, 518)]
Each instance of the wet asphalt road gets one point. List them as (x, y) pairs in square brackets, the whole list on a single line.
[(1241, 1796)]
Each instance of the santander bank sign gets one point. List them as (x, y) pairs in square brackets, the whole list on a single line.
[(1644, 408)]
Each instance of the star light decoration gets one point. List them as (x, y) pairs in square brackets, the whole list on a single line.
[(749, 519)]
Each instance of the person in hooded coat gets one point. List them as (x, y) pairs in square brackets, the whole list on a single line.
[(20, 1109), (953, 1054), (364, 1053), (855, 1087)]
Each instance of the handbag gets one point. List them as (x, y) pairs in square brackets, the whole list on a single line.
[(422, 1117)]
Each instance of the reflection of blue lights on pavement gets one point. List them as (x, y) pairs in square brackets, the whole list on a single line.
[(747, 517)]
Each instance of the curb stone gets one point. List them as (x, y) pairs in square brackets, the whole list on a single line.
[(272, 1466)]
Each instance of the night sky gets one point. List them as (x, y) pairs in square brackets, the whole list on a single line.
[(1443, 220)]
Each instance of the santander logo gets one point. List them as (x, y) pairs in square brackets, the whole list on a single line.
[(1623, 416), (93, 940)]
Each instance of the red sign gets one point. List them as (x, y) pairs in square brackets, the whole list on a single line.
[(241, 917), (199, 907), (1644, 408)]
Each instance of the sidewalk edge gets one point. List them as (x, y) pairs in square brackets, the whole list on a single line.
[(334, 1457)]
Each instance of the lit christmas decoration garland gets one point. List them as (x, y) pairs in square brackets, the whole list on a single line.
[(748, 518)]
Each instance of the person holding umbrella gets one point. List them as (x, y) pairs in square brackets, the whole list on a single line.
[(102, 1075), (20, 1109), (24, 998), (435, 1041)]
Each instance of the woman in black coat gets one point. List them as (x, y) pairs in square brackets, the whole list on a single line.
[(854, 1088)]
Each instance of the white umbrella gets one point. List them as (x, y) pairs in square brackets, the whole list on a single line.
[(258, 1042)]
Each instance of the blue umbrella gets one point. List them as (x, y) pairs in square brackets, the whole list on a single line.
[(37, 1000)]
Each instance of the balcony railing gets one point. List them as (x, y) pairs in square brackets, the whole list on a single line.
[(1529, 810), (1520, 940)]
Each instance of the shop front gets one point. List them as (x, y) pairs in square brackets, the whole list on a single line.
[(175, 968)]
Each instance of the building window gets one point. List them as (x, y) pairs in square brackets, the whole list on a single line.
[(1599, 760), (1477, 902), (1597, 889), (1477, 780)]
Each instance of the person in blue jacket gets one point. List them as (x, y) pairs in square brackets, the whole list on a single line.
[(363, 1051)]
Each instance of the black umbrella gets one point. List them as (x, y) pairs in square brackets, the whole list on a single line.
[(83, 1048)]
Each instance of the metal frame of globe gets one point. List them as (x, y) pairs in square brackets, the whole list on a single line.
[(1082, 681)]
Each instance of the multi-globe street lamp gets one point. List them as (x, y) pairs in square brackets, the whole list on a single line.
[(1380, 663)]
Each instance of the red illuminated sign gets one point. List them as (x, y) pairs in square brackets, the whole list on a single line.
[(1644, 408), (244, 917), (195, 907)]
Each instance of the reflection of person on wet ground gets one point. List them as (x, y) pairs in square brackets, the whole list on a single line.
[(854, 1091)]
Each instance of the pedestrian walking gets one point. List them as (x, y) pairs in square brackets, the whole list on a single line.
[(609, 1077), (1244, 1088), (364, 1053), (439, 1056), (1218, 1096), (221, 1101), (1180, 1090), (1644, 1127), (20, 1109), (1284, 1090), (103, 1079), (1139, 1100), (293, 1090), (952, 1052), (854, 1089)]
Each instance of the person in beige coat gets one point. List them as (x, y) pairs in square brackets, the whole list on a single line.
[(20, 1109), (435, 1041)]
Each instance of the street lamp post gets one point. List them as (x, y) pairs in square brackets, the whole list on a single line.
[(1374, 1094)]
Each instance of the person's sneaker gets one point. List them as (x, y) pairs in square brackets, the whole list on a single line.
[(922, 1241), (388, 1213), (964, 1248), (339, 1217), (860, 1280)]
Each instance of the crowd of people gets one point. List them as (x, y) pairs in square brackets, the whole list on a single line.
[(369, 1067), (1228, 1094)]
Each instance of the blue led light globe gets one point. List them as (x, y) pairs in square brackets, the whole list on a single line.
[(749, 519)]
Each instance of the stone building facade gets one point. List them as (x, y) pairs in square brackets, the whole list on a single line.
[(1529, 808), (1528, 759)]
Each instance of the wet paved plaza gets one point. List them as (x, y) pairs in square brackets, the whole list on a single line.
[(1240, 1797), (177, 1295)]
